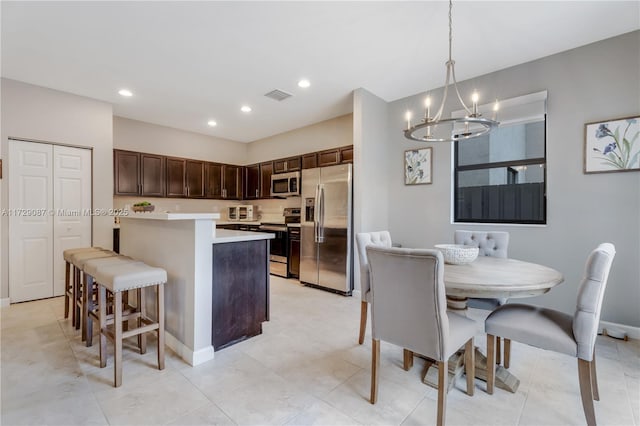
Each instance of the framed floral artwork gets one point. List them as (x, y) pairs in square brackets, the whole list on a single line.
[(417, 166), (612, 146)]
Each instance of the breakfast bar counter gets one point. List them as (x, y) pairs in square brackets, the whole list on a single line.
[(183, 244)]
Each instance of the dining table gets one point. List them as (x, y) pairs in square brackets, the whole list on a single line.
[(491, 277)]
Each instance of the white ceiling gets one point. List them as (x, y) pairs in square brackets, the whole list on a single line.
[(188, 62)]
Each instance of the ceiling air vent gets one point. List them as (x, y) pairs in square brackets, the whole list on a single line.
[(278, 95)]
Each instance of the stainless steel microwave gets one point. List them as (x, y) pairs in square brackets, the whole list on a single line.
[(285, 184)]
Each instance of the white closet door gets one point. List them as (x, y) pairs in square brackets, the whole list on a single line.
[(72, 202), (30, 222)]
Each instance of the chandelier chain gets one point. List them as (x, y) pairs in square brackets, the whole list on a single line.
[(450, 29)]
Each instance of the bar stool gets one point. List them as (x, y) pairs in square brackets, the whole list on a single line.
[(90, 311), (118, 279), (82, 290), (70, 286)]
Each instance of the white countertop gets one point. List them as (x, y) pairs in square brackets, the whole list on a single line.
[(229, 236), (238, 222), (171, 216)]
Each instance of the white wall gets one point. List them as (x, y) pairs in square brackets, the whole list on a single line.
[(37, 113), (315, 137), (146, 137), (596, 82), (371, 166)]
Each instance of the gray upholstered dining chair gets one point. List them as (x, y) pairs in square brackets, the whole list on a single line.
[(559, 332), (364, 239), (409, 309), (494, 244)]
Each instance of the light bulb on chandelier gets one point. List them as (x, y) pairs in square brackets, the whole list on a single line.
[(470, 126)]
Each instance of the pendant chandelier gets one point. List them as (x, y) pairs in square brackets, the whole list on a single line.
[(438, 129)]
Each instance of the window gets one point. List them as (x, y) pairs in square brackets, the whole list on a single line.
[(501, 177)]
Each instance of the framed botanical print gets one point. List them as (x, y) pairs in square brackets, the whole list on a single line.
[(612, 145), (417, 166)]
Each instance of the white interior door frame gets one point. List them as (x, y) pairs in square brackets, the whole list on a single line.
[(50, 204)]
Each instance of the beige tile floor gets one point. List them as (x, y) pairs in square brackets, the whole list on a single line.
[(306, 368)]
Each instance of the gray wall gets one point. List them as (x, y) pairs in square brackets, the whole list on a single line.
[(371, 167), (315, 137), (37, 113), (146, 137), (594, 82)]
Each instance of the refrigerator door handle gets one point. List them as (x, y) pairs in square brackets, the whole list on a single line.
[(321, 221), (316, 215)]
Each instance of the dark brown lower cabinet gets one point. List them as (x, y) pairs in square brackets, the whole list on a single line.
[(240, 296)]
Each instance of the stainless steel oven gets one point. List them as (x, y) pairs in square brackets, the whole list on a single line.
[(279, 248)]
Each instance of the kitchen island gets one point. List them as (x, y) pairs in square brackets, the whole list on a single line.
[(183, 244)]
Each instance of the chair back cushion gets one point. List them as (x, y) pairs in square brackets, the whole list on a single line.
[(494, 243), (409, 306), (364, 239), (590, 295)]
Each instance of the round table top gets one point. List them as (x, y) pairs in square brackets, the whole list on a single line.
[(489, 277)]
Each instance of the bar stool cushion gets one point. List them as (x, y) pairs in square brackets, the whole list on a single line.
[(79, 259), (91, 265), (129, 276), (70, 252)]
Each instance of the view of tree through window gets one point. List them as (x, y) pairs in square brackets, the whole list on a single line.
[(501, 177)]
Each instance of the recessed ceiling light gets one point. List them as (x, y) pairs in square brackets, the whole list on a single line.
[(125, 92), (212, 123), (245, 108), (304, 84)]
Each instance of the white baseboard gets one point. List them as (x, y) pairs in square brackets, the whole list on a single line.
[(5, 302), (632, 332), (191, 357)]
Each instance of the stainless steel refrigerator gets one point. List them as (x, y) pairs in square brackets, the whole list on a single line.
[(326, 252)]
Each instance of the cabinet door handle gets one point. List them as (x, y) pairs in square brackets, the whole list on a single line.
[(187, 191), (257, 193)]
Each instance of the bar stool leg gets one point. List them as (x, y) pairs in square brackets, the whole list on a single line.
[(86, 289), (76, 299), (74, 295), (86, 307), (102, 315), (67, 277), (160, 311), (117, 325), (142, 337)]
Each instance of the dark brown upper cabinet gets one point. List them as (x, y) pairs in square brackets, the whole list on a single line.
[(328, 157), (310, 161), (266, 170), (223, 181), (346, 154), (232, 182), (126, 167), (213, 180), (137, 173), (152, 175), (176, 182), (251, 182), (284, 165), (195, 178)]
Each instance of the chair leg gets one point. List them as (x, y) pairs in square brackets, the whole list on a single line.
[(507, 352), (491, 365), (498, 351), (470, 365), (160, 310), (594, 378), (363, 320), (375, 366), (443, 378), (142, 338), (408, 359), (584, 376), (84, 312)]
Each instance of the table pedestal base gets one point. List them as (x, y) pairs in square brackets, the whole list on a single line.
[(504, 379)]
